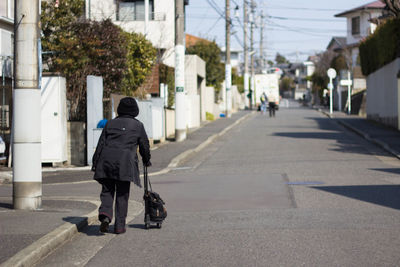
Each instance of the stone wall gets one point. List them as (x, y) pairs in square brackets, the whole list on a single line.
[(76, 143)]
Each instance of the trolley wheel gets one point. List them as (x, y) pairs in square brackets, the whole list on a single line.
[(159, 225)]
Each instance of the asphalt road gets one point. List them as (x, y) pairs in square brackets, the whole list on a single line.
[(295, 190)]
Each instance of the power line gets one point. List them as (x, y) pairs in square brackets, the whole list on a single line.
[(305, 8), (216, 8), (302, 19), (302, 30)]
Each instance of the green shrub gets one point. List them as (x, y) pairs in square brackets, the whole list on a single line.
[(382, 47), (209, 116)]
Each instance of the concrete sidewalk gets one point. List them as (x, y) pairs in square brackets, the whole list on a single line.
[(28, 236), (386, 137)]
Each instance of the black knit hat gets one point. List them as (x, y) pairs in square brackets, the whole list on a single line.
[(128, 106)]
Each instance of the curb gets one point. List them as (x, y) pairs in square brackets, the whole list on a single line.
[(46, 244), (41, 248), (366, 136), (372, 140)]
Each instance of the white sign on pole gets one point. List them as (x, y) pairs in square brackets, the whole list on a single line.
[(331, 73), (346, 82)]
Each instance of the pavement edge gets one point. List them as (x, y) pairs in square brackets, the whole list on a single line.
[(381, 144), (39, 249)]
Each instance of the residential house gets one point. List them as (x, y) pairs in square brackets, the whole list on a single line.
[(360, 25), (153, 18), (235, 62), (361, 22), (299, 73), (337, 44), (157, 24)]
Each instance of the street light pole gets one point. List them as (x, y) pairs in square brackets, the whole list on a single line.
[(228, 69), (27, 173)]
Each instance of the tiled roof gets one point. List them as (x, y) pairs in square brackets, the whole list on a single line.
[(339, 41), (372, 5), (192, 40)]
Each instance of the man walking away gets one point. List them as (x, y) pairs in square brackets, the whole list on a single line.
[(271, 106)]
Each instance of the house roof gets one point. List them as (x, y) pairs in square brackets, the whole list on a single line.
[(192, 40), (340, 42), (369, 6)]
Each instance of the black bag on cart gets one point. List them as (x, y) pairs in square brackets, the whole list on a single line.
[(154, 209)]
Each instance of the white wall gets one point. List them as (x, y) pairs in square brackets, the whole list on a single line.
[(382, 94), (195, 85), (193, 111), (94, 111), (365, 25), (54, 119)]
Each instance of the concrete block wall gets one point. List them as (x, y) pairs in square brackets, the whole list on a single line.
[(76, 146)]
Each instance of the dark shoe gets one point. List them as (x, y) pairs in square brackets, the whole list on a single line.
[(119, 231), (104, 225)]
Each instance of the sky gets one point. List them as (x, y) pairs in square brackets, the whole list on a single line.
[(295, 29)]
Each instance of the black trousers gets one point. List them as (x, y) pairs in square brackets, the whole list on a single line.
[(271, 109), (111, 187)]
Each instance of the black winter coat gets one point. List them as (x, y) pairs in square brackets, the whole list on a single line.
[(115, 156)]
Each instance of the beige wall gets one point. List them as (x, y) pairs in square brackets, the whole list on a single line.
[(170, 122), (383, 94)]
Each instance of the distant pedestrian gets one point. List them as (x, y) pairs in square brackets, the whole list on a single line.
[(115, 163), (271, 106), (326, 97), (264, 101)]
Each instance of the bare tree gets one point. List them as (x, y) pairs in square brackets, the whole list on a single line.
[(393, 6)]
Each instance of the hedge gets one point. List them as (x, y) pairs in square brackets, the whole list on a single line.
[(380, 48)]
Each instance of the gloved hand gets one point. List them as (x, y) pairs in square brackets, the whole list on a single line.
[(147, 164)]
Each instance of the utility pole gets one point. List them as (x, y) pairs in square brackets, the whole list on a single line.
[(180, 108), (228, 69), (27, 172), (146, 17), (262, 40), (246, 57), (252, 80)]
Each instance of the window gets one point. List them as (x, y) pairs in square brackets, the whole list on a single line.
[(3, 9), (355, 25), (133, 10)]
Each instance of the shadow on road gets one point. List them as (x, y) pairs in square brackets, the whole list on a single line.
[(344, 143), (383, 195), (81, 225), (6, 206), (137, 226), (389, 170)]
